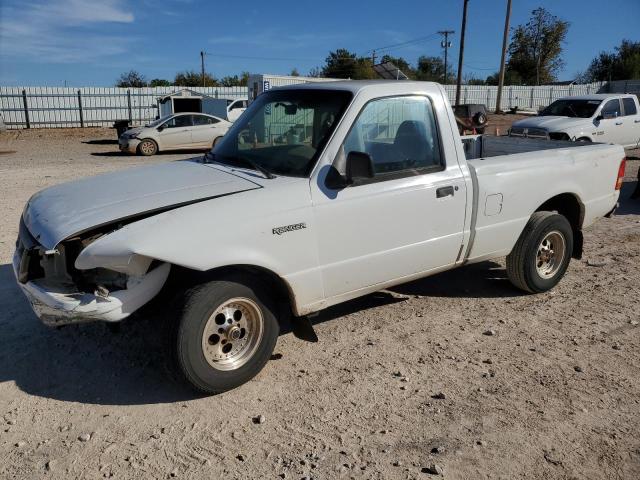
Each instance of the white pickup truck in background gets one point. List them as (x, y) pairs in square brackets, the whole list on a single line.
[(606, 118), (375, 188)]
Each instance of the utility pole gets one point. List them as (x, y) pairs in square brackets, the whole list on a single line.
[(202, 67), (373, 57), (505, 38), (461, 54), (446, 44)]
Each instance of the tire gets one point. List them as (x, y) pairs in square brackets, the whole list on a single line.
[(205, 355), (542, 254), (147, 147)]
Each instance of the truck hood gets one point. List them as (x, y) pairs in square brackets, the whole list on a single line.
[(553, 123), (68, 209)]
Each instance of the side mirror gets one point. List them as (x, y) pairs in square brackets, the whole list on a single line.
[(359, 165)]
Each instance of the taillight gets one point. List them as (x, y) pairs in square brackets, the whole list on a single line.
[(623, 163)]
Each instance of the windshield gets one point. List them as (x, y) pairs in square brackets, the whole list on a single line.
[(572, 108), (157, 122), (283, 132)]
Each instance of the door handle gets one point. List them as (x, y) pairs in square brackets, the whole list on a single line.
[(618, 123), (636, 121), (444, 192)]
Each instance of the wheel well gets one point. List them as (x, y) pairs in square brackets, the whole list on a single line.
[(569, 206), (583, 139), (182, 277)]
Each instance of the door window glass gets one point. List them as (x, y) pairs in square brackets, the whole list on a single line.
[(612, 108), (399, 134), (179, 121), (203, 120)]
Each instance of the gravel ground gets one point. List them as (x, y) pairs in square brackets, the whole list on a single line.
[(401, 383)]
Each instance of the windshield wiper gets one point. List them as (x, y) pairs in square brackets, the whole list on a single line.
[(210, 156)]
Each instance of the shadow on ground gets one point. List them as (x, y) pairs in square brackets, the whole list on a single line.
[(83, 363), (117, 153), (90, 364), (628, 205), (103, 141)]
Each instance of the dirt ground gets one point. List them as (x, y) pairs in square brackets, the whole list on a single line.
[(553, 394)]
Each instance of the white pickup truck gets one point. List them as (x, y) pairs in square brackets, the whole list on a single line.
[(374, 187), (607, 118)]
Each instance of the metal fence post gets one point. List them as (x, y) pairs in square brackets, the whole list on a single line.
[(129, 105), (26, 108), (80, 109), (531, 98), (550, 95)]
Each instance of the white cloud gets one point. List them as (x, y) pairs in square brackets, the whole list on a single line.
[(62, 31)]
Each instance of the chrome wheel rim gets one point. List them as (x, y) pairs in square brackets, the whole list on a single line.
[(232, 334), (147, 148), (550, 255)]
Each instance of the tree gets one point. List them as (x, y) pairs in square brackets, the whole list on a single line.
[(159, 82), (131, 79), (623, 64), (294, 72), (344, 64), (191, 78), (510, 78), (402, 64), (536, 48), (431, 69), (471, 79)]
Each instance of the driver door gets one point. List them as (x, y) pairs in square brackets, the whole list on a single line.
[(408, 218), (612, 123)]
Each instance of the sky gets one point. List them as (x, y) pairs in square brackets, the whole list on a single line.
[(90, 43)]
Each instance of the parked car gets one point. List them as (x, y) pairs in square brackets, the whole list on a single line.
[(471, 118), (609, 118), (173, 132), (255, 232)]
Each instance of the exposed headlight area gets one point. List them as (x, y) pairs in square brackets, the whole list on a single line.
[(62, 294), (56, 267)]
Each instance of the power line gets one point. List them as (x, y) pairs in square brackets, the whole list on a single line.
[(403, 44)]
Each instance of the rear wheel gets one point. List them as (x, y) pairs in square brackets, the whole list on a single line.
[(542, 254), (147, 147), (225, 334)]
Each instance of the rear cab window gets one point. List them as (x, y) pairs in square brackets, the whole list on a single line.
[(629, 106)]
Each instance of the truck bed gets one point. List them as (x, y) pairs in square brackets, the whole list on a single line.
[(485, 146), (515, 176)]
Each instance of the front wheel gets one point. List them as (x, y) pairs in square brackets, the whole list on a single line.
[(541, 256), (147, 147), (225, 334)]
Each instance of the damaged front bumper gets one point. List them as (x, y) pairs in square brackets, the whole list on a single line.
[(129, 145), (57, 305)]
